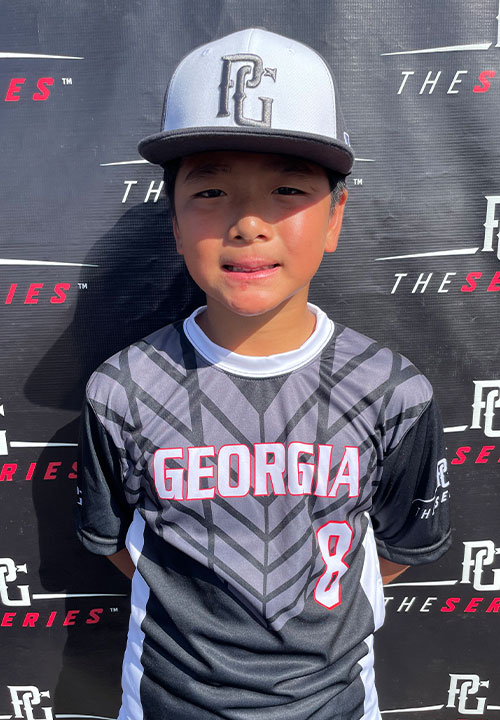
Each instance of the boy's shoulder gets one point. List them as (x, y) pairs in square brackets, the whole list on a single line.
[(378, 376), (357, 350), (133, 366)]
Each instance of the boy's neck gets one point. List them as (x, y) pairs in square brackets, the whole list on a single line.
[(280, 330)]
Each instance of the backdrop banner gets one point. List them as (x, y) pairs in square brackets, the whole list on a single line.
[(88, 265)]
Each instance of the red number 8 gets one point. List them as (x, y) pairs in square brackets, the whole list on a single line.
[(334, 540)]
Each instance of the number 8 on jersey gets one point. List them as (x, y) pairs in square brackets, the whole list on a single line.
[(334, 540)]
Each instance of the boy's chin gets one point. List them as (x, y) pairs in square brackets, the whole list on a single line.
[(255, 308), (254, 312)]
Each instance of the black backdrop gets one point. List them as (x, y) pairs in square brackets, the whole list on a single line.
[(87, 265)]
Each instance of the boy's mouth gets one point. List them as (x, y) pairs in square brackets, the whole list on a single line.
[(249, 268)]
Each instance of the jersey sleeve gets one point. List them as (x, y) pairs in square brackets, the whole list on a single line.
[(103, 514), (410, 512)]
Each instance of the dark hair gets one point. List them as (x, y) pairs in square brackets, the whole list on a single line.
[(337, 183)]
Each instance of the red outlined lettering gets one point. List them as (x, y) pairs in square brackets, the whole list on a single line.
[(348, 473), (169, 482), (243, 472), (323, 474), (328, 591), (265, 470), (196, 472), (273, 463), (300, 474)]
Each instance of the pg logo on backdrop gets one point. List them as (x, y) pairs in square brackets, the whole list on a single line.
[(249, 76), (485, 406), (491, 224), (12, 594), (464, 694), (479, 556), (25, 698)]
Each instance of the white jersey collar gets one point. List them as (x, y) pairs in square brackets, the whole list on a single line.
[(260, 366)]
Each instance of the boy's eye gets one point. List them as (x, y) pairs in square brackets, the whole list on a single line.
[(212, 192), (285, 190)]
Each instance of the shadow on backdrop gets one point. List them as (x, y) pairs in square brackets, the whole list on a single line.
[(139, 285), (88, 682)]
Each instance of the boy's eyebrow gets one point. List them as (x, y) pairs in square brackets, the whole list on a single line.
[(291, 165), (206, 170)]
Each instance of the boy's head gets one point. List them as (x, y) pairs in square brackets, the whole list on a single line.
[(253, 227), (254, 149)]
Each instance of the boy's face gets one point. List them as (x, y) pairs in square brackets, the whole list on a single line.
[(253, 227)]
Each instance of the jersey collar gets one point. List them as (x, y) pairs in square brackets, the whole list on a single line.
[(260, 366)]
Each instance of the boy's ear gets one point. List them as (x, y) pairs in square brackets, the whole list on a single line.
[(177, 236), (335, 224)]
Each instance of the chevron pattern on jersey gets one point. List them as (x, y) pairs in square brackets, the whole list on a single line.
[(160, 393)]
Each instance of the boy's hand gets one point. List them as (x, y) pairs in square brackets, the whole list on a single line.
[(390, 570), (123, 562)]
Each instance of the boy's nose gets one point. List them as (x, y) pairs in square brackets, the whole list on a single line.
[(249, 227)]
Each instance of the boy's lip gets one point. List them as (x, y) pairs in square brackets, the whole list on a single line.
[(250, 266)]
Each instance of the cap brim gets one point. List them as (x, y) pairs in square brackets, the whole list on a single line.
[(168, 145)]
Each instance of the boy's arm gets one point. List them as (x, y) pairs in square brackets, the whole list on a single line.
[(390, 570), (410, 514), (103, 513), (123, 562)]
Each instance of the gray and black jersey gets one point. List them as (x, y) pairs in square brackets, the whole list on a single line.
[(253, 494)]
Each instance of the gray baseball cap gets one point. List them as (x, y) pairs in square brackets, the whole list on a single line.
[(256, 91)]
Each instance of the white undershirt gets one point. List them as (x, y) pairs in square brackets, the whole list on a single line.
[(261, 365)]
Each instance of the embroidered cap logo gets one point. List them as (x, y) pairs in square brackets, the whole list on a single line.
[(249, 75)]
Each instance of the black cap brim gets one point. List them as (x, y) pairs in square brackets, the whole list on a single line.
[(168, 145)]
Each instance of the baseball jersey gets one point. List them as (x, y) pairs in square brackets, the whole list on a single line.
[(253, 494)]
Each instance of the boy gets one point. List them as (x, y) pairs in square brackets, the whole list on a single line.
[(247, 455)]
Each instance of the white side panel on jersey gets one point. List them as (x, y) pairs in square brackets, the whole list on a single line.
[(131, 708), (371, 582), (371, 711)]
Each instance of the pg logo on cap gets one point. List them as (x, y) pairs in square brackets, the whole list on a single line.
[(248, 75)]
